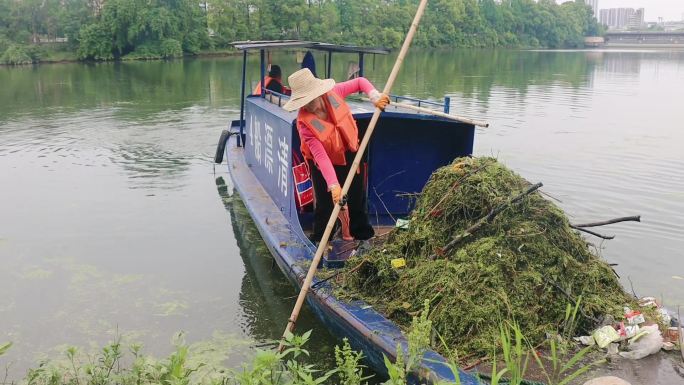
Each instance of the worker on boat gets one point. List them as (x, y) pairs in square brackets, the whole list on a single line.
[(329, 141), (309, 62), (273, 82)]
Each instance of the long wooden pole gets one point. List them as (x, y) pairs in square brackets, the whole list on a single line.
[(350, 176)]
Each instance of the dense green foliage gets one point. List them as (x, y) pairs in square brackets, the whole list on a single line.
[(142, 29), (524, 264), (119, 363)]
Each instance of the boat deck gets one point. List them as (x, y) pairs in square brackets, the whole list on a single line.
[(341, 250)]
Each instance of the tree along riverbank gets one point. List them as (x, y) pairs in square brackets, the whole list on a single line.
[(52, 55), (140, 29)]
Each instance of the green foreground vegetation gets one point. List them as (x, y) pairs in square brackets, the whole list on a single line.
[(126, 364), (51, 30)]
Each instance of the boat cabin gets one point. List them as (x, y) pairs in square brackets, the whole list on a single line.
[(405, 149)]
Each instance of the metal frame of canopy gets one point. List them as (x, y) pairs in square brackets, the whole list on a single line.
[(264, 45)]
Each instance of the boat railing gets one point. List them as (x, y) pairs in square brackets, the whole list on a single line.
[(420, 102), (275, 97)]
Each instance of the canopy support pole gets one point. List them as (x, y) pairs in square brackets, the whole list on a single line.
[(263, 72), (242, 98), (361, 64), (329, 69)]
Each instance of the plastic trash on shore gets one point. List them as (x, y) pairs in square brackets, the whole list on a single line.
[(673, 334), (648, 302), (634, 317), (664, 316), (402, 224), (586, 340), (668, 346), (647, 342), (613, 348), (627, 331), (398, 263), (605, 335), (608, 380)]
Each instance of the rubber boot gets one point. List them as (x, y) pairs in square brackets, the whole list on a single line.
[(344, 219)]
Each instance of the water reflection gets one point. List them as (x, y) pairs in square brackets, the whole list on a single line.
[(134, 90), (148, 160), (153, 87), (266, 296)]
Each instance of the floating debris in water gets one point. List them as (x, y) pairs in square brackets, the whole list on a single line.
[(171, 308)]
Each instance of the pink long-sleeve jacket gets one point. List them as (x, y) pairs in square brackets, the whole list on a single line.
[(321, 158)]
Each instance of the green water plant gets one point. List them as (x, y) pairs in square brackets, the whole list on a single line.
[(497, 376), (348, 361), (5, 347), (561, 364), (120, 364), (523, 264), (452, 362), (109, 367), (565, 364), (396, 371), (514, 353), (418, 341), (126, 364), (558, 359)]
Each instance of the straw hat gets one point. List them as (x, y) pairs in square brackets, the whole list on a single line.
[(305, 88)]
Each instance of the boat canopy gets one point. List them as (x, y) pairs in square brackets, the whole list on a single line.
[(406, 149), (320, 46)]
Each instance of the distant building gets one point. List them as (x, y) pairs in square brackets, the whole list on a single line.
[(622, 18), (672, 26), (635, 20)]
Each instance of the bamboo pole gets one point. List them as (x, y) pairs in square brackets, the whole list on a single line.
[(428, 111), (350, 176)]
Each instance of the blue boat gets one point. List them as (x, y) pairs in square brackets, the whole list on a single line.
[(405, 149)]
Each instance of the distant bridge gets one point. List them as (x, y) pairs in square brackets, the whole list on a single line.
[(644, 39)]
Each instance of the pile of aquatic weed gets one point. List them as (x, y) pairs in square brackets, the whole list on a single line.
[(527, 264)]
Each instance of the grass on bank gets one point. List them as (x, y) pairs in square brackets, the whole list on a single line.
[(126, 364)]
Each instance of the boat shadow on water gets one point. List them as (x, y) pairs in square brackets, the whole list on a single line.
[(266, 296)]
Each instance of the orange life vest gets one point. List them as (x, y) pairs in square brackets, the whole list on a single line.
[(267, 81), (338, 134)]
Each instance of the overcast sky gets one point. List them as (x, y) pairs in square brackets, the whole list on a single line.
[(668, 9)]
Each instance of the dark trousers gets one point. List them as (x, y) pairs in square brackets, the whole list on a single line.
[(359, 227)]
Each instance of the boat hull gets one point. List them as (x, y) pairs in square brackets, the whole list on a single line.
[(366, 329)]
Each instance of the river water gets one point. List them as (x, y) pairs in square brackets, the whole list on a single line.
[(113, 218)]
